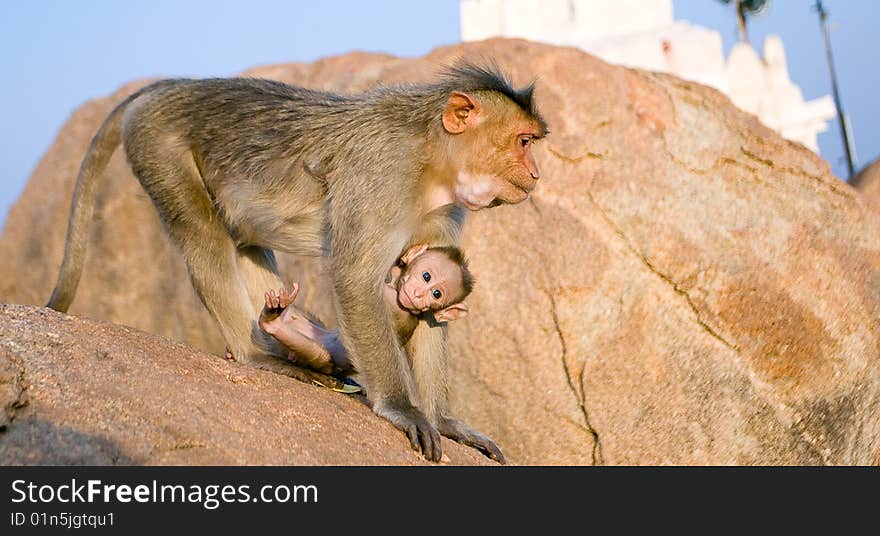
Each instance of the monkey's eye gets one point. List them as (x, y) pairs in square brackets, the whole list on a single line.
[(426, 276), (525, 140), (437, 294)]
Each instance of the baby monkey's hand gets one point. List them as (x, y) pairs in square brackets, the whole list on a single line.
[(277, 303)]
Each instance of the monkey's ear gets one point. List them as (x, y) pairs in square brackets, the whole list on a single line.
[(453, 312), (459, 112), (412, 253)]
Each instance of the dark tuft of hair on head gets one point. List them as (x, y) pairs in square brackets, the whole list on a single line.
[(456, 255), (488, 76)]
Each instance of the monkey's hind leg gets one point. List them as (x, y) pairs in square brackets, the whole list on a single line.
[(176, 188), (214, 273), (258, 271)]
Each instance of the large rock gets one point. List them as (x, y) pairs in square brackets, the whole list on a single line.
[(79, 392), (684, 286), (868, 181)]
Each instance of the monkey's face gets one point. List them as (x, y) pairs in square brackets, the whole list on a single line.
[(430, 282), (499, 166)]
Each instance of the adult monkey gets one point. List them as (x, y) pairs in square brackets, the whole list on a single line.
[(240, 167)]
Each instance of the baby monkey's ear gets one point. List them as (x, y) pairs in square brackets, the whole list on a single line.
[(412, 253), (453, 312)]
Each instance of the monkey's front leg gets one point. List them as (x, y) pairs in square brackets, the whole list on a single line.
[(459, 431), (408, 418), (374, 351), (427, 351), (368, 333)]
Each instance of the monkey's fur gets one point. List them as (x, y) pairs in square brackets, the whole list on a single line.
[(240, 167)]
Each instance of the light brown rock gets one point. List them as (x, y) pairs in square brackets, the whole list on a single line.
[(79, 392), (684, 286), (868, 182)]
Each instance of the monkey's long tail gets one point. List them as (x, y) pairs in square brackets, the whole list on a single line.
[(82, 207)]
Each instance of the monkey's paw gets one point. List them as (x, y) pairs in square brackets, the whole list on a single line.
[(460, 432), (276, 305), (423, 437)]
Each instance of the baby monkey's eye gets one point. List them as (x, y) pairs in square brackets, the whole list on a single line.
[(426, 276), (437, 294)]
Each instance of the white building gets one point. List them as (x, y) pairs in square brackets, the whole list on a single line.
[(644, 34)]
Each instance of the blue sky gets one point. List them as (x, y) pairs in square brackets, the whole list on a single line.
[(55, 55)]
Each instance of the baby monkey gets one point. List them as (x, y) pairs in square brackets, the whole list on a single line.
[(425, 282)]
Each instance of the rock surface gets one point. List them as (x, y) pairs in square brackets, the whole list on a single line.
[(868, 182), (79, 392), (683, 287)]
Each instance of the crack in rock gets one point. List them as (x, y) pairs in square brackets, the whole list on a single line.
[(579, 396), (734, 126), (16, 385), (760, 386), (596, 454), (575, 159), (186, 445), (667, 279), (796, 172)]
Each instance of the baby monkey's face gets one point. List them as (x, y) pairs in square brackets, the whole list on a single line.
[(431, 282)]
